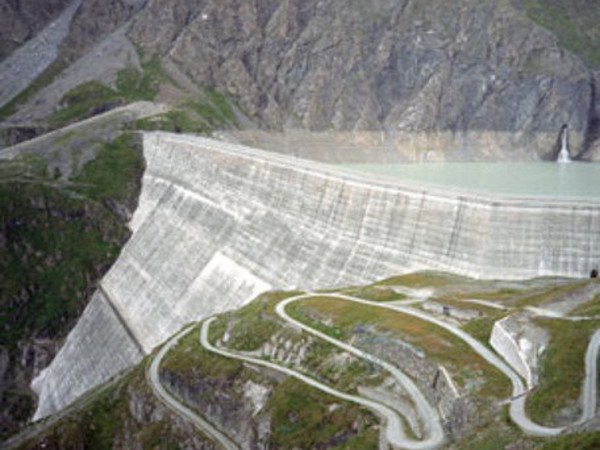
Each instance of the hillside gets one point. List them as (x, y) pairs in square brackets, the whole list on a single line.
[(259, 378)]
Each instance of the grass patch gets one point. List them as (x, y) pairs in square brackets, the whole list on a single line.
[(550, 294), (423, 279), (481, 329), (221, 105), (188, 357), (302, 418), (108, 421), (176, 121), (56, 244), (575, 23), (580, 441), (92, 97), (591, 308), (252, 326), (456, 302), (376, 293), (496, 434), (84, 101), (562, 368), (45, 79), (111, 174)]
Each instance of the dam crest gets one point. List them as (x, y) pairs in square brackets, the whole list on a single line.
[(218, 223)]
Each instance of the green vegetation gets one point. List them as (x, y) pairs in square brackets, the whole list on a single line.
[(345, 316), (496, 434), (221, 106), (188, 357), (93, 97), (113, 173), (176, 121), (254, 325), (301, 418), (37, 85), (376, 293), (81, 101), (58, 239), (576, 23), (56, 243), (591, 308), (423, 280), (562, 368), (580, 441), (108, 421), (194, 116), (481, 329), (550, 294)]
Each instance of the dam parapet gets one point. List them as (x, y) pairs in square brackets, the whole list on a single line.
[(219, 223)]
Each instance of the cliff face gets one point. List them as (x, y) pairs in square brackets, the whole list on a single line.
[(467, 77), (436, 67), (21, 20)]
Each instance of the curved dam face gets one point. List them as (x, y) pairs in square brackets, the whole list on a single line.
[(219, 223)]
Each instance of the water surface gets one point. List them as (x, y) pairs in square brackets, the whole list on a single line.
[(541, 179)]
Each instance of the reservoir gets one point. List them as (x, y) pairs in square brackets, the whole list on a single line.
[(547, 180)]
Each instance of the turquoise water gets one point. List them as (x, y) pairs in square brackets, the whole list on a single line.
[(546, 180)]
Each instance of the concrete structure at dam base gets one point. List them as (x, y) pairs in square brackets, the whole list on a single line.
[(219, 223)]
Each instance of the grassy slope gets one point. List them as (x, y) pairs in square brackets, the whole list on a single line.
[(58, 239), (434, 341), (124, 415), (562, 368), (300, 415), (252, 326), (576, 23)]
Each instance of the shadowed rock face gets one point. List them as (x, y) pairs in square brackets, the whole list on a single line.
[(399, 66), (217, 224), (474, 76), (21, 20)]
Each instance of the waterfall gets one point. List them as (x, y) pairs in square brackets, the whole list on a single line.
[(563, 155)]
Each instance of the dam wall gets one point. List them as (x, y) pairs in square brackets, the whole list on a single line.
[(219, 223)]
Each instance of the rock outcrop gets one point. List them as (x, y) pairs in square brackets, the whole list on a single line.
[(474, 76), (469, 78), (20, 21)]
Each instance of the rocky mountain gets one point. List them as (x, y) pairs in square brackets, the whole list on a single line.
[(20, 20), (468, 79)]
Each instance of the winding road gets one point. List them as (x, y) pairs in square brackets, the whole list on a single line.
[(394, 426), (590, 384), (519, 394), (428, 414), (517, 407), (394, 433), (172, 403)]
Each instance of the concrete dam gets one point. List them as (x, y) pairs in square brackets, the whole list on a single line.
[(219, 223)]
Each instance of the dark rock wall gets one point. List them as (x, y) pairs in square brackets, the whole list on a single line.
[(20, 20), (408, 66)]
